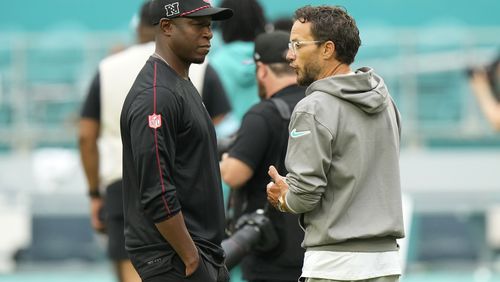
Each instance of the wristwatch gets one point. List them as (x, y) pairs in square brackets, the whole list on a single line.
[(94, 193), (282, 203)]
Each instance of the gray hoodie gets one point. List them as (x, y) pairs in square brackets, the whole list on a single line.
[(343, 163)]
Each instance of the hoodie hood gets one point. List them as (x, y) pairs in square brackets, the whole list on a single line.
[(236, 58), (364, 88)]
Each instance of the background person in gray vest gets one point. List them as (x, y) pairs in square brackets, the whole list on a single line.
[(100, 141), (342, 157)]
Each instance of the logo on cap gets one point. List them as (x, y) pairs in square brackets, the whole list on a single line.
[(154, 121), (172, 9)]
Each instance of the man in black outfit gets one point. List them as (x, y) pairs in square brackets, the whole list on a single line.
[(173, 206), (262, 140)]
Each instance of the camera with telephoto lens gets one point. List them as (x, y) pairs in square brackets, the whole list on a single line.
[(253, 232)]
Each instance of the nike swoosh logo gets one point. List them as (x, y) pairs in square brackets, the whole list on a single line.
[(297, 134)]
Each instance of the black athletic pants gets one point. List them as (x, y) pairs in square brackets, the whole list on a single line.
[(207, 271)]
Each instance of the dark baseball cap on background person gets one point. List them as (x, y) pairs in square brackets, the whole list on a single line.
[(271, 47), (170, 9)]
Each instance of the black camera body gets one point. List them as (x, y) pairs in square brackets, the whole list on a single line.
[(254, 232)]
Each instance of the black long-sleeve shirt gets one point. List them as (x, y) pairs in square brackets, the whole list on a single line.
[(169, 164)]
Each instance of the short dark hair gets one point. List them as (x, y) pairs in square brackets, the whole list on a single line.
[(247, 22), (333, 23), (281, 69), (284, 24), (145, 16)]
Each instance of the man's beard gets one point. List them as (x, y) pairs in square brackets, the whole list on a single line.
[(308, 75)]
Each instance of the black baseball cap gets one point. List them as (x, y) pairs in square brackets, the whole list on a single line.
[(169, 9), (271, 47)]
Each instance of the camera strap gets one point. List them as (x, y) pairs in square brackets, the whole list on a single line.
[(238, 198), (285, 114)]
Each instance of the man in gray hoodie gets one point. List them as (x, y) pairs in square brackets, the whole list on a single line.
[(342, 157)]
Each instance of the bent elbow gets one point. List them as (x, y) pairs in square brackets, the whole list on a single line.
[(83, 140), (230, 180), (86, 139)]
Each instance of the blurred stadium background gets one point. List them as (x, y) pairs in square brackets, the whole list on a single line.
[(450, 160)]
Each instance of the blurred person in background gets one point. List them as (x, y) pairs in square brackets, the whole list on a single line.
[(260, 142), (284, 23), (100, 141), (208, 83), (485, 84), (342, 156), (233, 61), (173, 205)]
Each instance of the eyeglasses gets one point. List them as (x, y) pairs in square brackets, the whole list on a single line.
[(294, 45)]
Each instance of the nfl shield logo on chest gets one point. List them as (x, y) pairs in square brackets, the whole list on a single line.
[(154, 121)]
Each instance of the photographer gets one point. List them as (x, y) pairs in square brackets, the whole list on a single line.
[(485, 84), (261, 141)]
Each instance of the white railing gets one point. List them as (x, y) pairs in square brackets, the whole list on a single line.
[(42, 82)]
